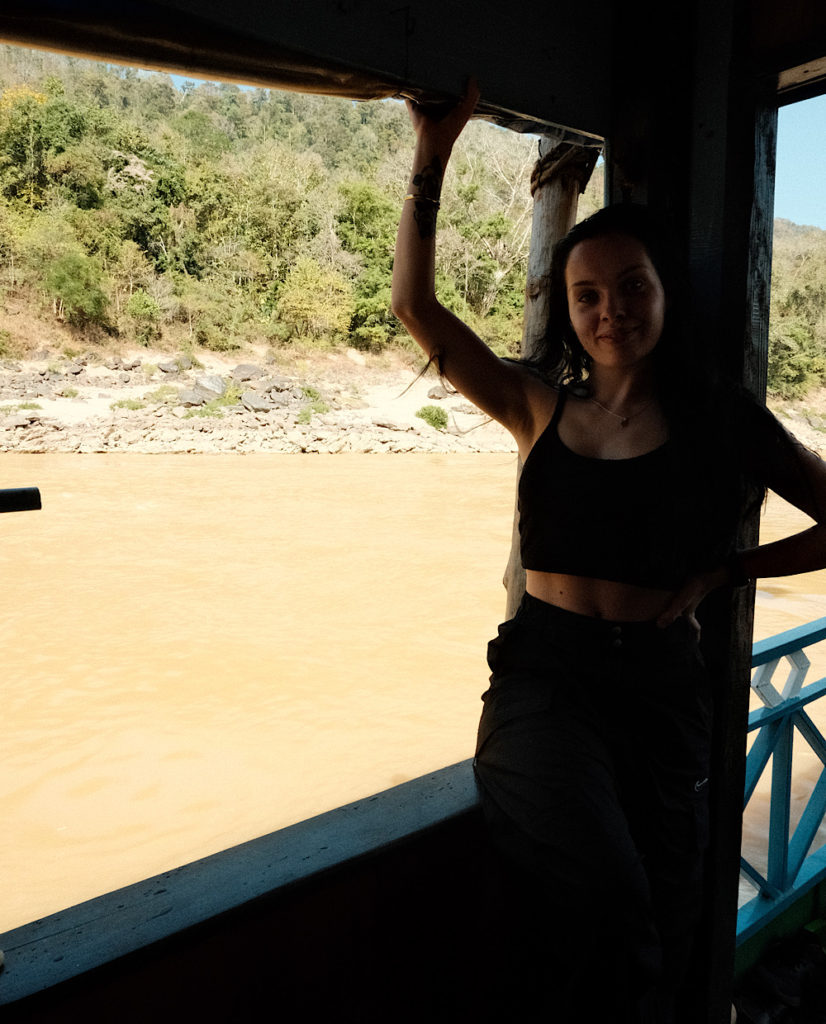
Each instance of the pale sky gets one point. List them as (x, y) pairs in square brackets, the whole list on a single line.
[(800, 193)]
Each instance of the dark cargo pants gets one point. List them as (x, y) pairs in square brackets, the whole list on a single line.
[(593, 764)]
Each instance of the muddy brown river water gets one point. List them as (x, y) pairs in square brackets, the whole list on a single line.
[(201, 649)]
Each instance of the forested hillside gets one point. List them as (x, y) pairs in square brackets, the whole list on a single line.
[(219, 216), (209, 215)]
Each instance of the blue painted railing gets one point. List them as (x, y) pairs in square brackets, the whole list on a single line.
[(791, 870)]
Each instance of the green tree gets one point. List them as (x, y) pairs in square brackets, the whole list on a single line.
[(797, 363), (366, 225), (144, 313), (270, 207), (214, 315), (24, 144), (797, 326), (73, 280), (314, 304), (11, 232), (80, 172), (205, 139), (367, 221)]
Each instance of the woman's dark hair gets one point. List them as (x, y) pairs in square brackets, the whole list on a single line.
[(678, 364), (712, 427)]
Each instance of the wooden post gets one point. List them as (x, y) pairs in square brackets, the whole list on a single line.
[(559, 178), (745, 276)]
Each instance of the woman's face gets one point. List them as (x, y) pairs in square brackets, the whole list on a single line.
[(616, 301)]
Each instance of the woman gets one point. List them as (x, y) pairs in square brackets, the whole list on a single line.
[(593, 746)]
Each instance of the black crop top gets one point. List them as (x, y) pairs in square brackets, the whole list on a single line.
[(611, 519)]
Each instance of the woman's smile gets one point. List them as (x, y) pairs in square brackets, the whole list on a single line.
[(616, 334), (616, 300)]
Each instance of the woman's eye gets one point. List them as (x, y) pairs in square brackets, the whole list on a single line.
[(586, 297), (636, 284)]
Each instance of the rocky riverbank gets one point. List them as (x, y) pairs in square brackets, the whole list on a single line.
[(157, 403), (329, 403)]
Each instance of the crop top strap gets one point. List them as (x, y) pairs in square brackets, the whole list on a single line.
[(561, 395)]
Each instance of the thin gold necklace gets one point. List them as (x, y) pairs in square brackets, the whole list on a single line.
[(623, 420)]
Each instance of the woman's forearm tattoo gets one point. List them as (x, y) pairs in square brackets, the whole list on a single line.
[(428, 183)]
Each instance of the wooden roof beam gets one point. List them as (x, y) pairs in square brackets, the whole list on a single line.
[(526, 57)]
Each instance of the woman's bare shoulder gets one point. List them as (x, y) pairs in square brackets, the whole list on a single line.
[(541, 397)]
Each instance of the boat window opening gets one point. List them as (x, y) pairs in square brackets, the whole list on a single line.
[(213, 633)]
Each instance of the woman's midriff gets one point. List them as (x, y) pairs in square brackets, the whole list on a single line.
[(601, 599)]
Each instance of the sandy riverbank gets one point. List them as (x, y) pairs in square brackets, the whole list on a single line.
[(160, 403), (155, 402)]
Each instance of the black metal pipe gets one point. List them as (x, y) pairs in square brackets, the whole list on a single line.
[(19, 499)]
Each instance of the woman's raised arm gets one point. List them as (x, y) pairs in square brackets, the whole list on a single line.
[(499, 388)]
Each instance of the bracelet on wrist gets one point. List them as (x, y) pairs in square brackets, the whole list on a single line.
[(422, 199)]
